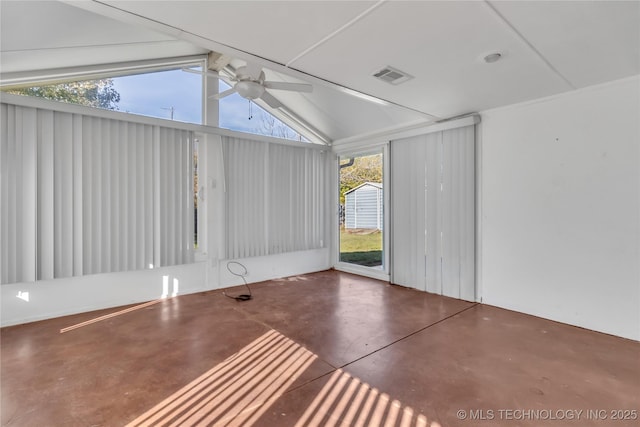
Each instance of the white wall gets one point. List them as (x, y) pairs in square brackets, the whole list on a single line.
[(269, 267), (28, 302), (560, 208)]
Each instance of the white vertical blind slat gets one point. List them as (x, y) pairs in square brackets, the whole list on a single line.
[(230, 250), (136, 228), (432, 216), (174, 226), (118, 189), (469, 291), (148, 154), (45, 256), (5, 176), (165, 212), (63, 194), (97, 195), (175, 196), (27, 213), (114, 190), (131, 209), (157, 205), (15, 199), (185, 243), (77, 244), (106, 196), (450, 240), (87, 195), (180, 225), (125, 188)]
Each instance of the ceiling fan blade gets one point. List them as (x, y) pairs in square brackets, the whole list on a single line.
[(271, 100), (297, 87), (223, 94), (253, 70)]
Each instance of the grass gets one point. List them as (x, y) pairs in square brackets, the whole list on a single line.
[(362, 247)]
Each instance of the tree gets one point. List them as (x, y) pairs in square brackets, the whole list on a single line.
[(271, 126), (364, 169), (91, 93)]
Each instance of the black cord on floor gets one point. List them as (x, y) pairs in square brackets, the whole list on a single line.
[(241, 297)]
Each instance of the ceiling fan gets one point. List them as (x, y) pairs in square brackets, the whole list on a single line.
[(249, 82)]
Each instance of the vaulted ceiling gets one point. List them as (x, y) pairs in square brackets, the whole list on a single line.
[(546, 48)]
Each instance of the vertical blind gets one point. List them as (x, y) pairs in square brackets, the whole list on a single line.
[(275, 198), (84, 195), (433, 205)]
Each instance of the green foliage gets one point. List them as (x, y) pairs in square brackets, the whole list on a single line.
[(90, 93), (364, 169), (360, 241)]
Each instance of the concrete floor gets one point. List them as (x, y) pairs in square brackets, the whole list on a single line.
[(325, 349)]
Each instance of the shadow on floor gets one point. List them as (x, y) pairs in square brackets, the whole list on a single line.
[(366, 259)]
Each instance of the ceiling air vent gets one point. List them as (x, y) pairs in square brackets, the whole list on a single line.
[(392, 75)]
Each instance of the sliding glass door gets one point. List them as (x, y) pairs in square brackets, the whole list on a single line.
[(361, 211)]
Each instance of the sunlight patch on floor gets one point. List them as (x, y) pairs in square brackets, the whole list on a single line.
[(237, 391)]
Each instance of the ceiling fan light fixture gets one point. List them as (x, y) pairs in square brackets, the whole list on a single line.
[(249, 89)]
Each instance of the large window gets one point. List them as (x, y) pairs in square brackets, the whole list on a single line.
[(238, 113), (171, 94), (167, 94)]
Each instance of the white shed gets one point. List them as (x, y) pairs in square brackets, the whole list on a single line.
[(363, 206)]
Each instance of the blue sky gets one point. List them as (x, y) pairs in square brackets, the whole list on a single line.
[(154, 94)]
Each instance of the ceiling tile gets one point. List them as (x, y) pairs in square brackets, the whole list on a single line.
[(276, 30), (589, 42)]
